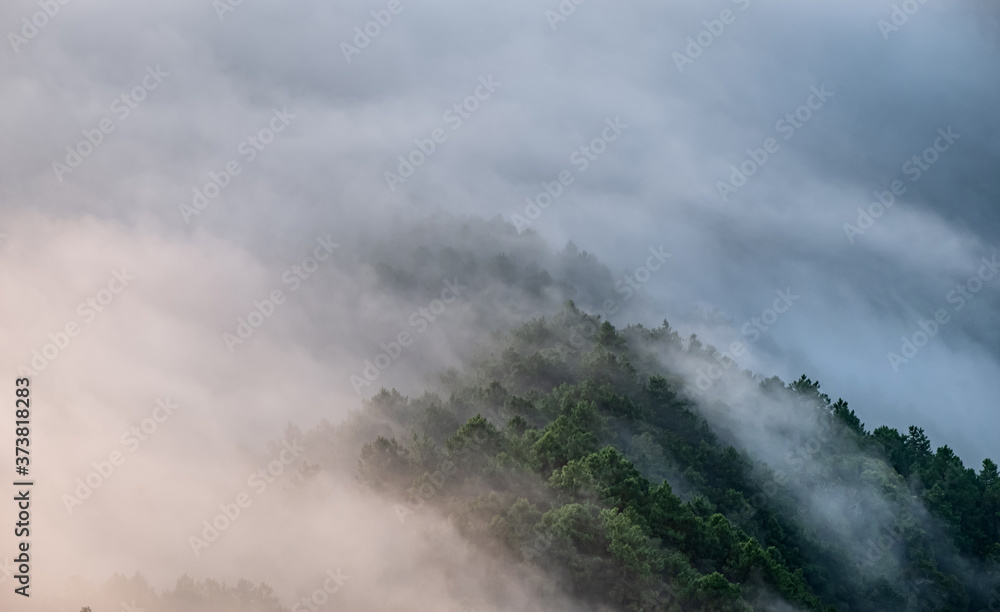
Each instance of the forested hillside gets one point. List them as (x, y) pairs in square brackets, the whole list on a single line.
[(595, 470), (572, 450)]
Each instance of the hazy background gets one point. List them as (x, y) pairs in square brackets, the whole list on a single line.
[(324, 176)]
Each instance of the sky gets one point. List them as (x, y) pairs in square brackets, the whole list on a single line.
[(204, 148)]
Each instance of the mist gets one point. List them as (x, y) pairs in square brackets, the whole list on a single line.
[(225, 227)]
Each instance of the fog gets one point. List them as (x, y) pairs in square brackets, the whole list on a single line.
[(172, 168)]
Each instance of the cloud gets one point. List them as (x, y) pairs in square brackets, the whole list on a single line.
[(325, 176)]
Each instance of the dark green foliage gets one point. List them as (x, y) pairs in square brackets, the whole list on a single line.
[(583, 458)]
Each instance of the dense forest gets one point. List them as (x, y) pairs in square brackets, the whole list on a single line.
[(584, 456), (565, 450)]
